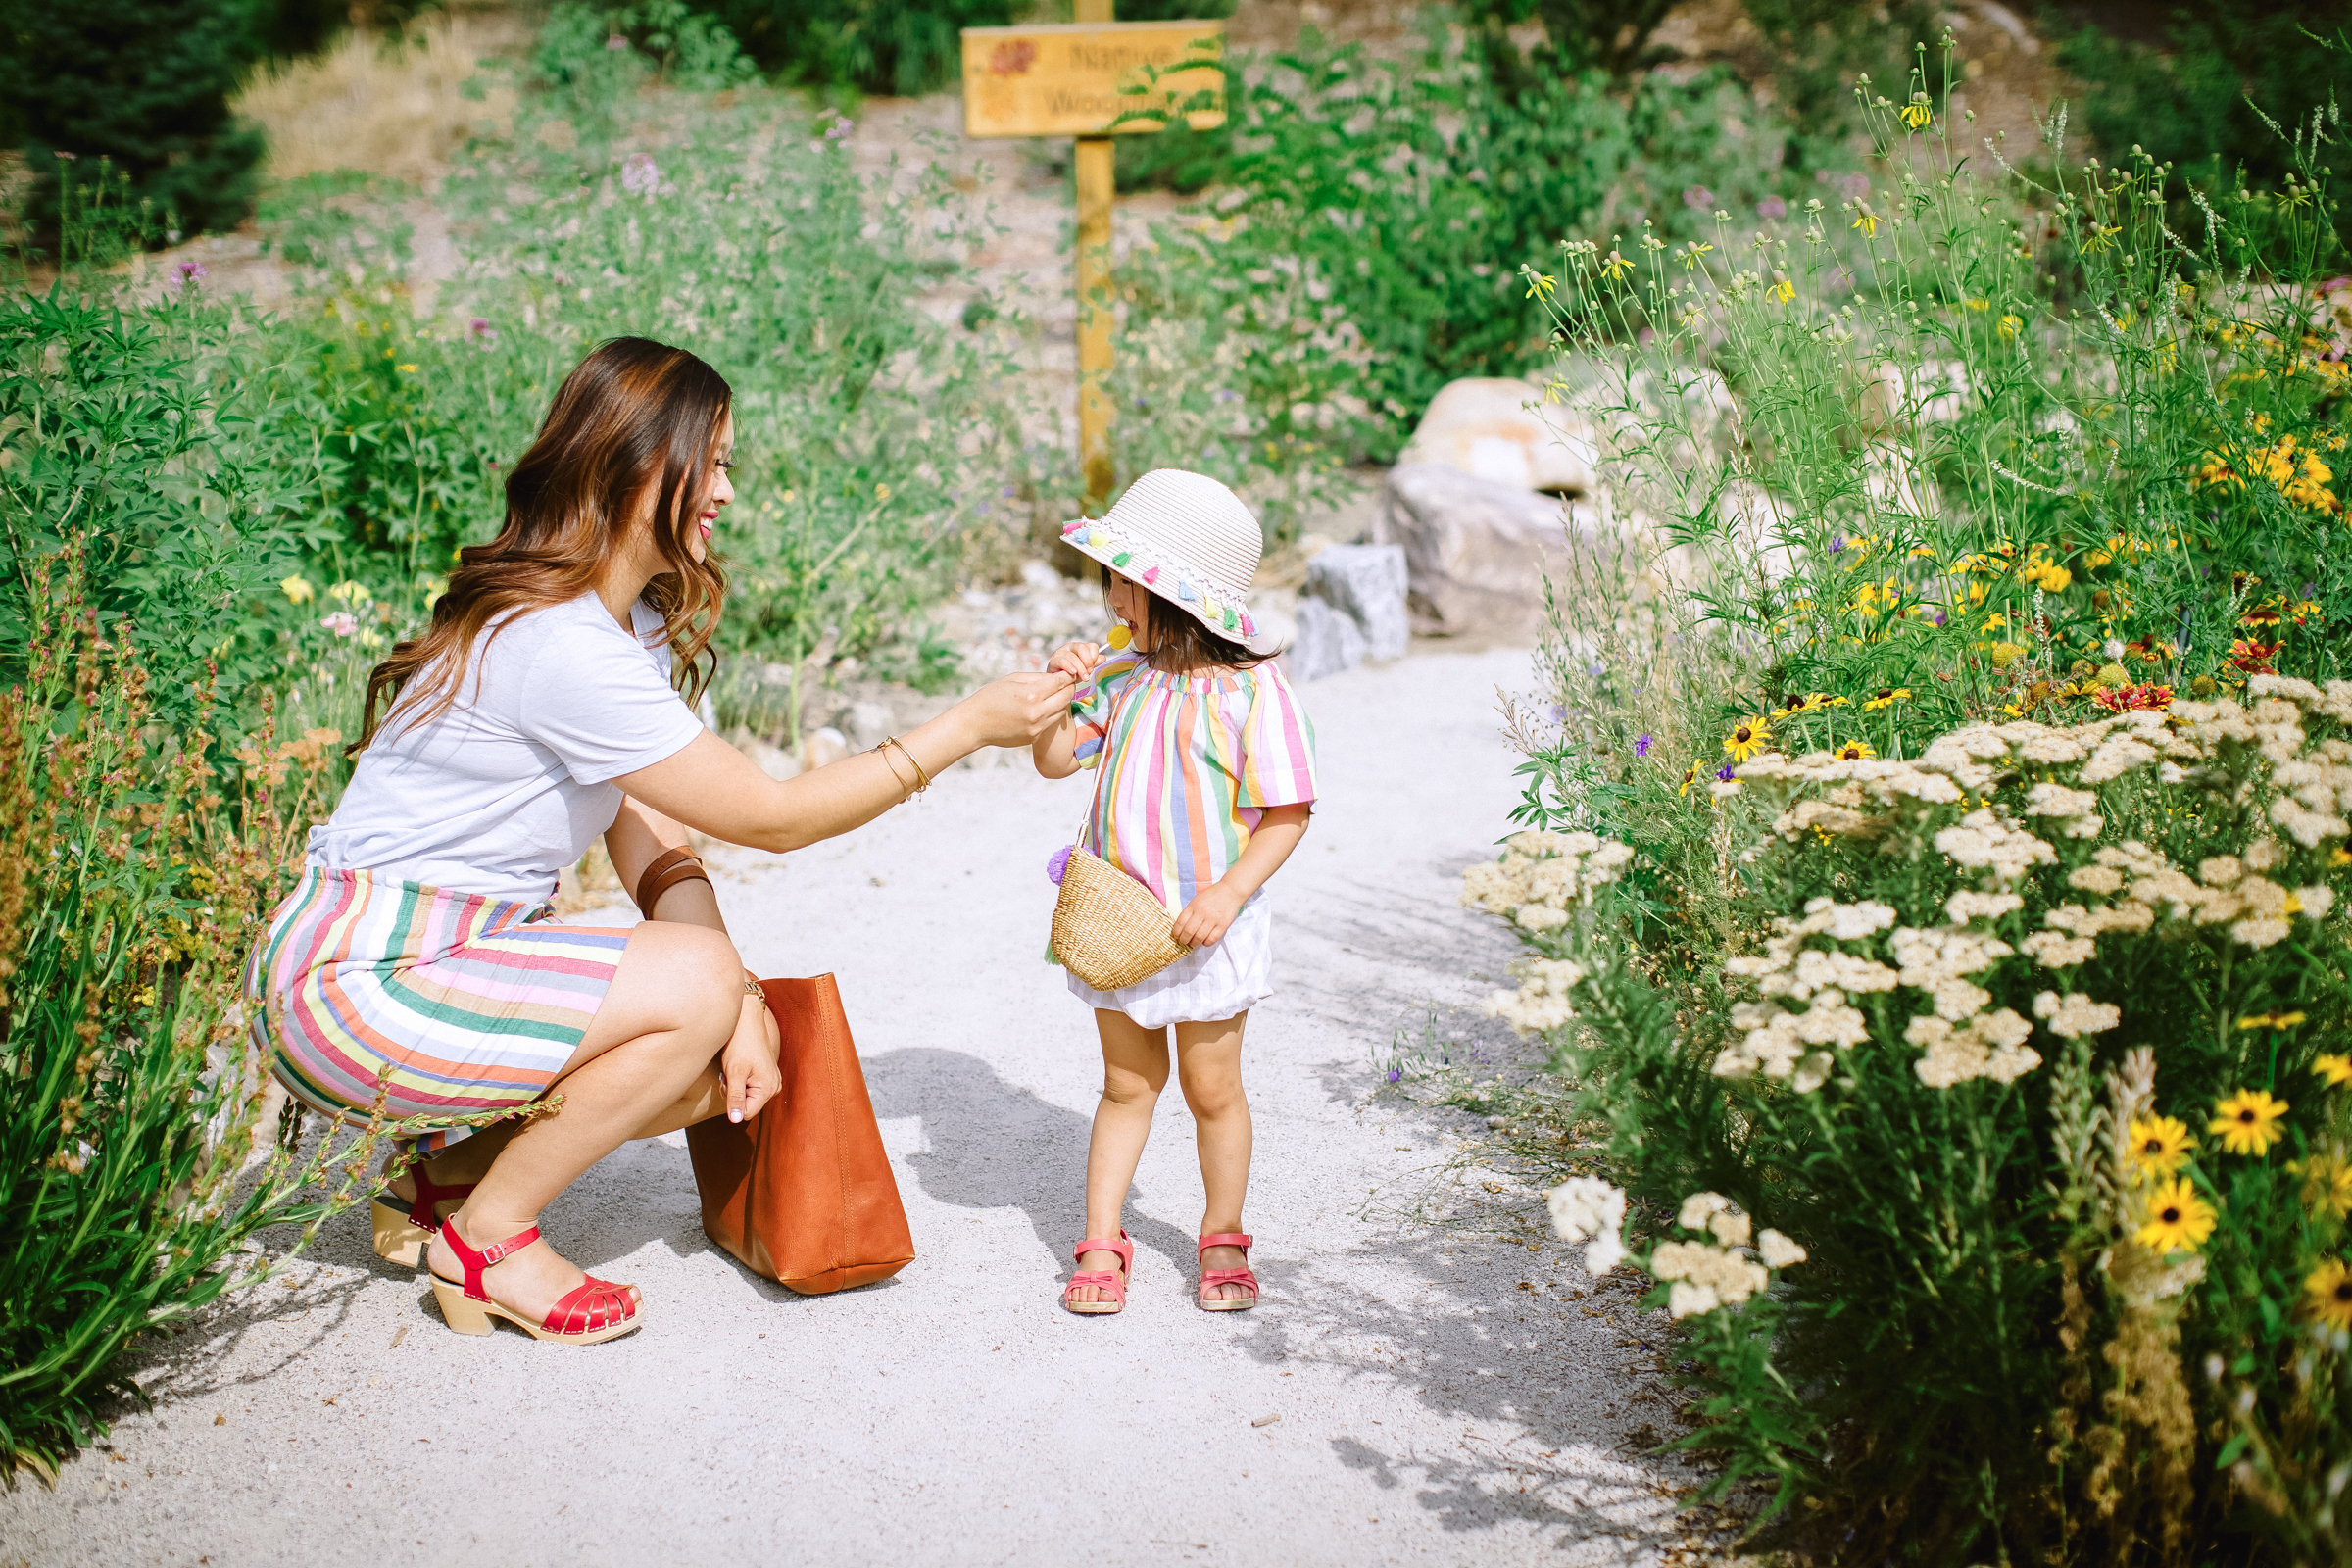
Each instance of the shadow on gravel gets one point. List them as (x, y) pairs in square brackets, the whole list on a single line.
[(994, 1145)]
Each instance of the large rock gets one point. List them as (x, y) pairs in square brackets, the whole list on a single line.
[(1366, 584), (1327, 642), (1499, 431), (1477, 550)]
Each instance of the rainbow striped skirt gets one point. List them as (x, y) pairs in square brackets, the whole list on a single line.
[(452, 1001)]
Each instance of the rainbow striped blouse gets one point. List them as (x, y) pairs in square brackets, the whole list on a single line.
[(1195, 761)]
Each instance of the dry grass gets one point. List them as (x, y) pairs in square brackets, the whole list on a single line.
[(385, 105)]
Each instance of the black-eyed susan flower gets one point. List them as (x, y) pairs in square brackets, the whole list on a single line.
[(2334, 1067), (2160, 1146), (2248, 1121), (2327, 1292), (1886, 696), (2326, 1183), (1748, 737), (1689, 778), (2270, 1020), (1855, 752), (2179, 1220)]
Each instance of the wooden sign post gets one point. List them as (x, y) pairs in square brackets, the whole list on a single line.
[(1080, 80)]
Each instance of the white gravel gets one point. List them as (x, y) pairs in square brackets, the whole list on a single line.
[(1429, 1411)]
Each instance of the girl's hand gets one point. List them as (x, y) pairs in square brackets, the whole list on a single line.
[(749, 1062), (1205, 920), (1075, 660)]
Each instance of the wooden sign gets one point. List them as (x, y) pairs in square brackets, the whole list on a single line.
[(1068, 80)]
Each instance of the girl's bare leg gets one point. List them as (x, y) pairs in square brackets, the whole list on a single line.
[(675, 1000), (1208, 1066), (1135, 1069)]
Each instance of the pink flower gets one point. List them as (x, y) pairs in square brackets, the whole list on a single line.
[(1772, 207), (482, 330), (1698, 198), (639, 175), (191, 272), (617, 42), (343, 623)]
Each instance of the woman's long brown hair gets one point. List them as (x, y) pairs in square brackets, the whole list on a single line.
[(635, 419)]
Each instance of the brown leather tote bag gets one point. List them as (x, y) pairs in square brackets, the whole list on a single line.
[(803, 1192)]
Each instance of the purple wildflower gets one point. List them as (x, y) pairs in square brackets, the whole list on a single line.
[(1855, 186), (1939, 618), (191, 272), (480, 327), (1698, 198), (1724, 773), (1560, 712), (1642, 747), (1395, 1074), (840, 130), (639, 175), (1837, 544), (1772, 207)]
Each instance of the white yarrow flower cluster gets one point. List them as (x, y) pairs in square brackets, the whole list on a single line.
[(1543, 876), (1540, 1003), (1585, 1208), (1703, 1277), (1776, 1040)]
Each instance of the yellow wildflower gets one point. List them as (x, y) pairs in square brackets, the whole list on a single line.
[(1868, 223), (2160, 1146), (1693, 251), (1917, 113), (2103, 237), (1748, 737), (1855, 752), (1886, 696), (298, 588), (2334, 1067), (1538, 284), (2009, 326), (2326, 1183), (2327, 1290), (2248, 1121), (1779, 288), (2179, 1220), (351, 593), (1615, 267), (2272, 1020)]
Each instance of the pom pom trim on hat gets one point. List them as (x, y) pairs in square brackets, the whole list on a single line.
[(1218, 614)]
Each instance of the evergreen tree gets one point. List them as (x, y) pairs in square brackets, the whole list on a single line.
[(142, 82)]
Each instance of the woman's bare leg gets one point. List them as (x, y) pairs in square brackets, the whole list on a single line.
[(1208, 1066), (674, 1002), (1135, 1069)]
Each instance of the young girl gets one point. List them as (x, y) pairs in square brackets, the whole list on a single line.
[(1206, 774)]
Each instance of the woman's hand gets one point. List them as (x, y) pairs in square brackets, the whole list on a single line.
[(1015, 709), (1205, 920), (749, 1061), (1077, 660)]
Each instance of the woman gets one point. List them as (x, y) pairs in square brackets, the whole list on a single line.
[(414, 966)]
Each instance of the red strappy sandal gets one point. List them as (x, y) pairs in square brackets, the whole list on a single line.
[(597, 1311), (1113, 1280), (401, 1233), (1212, 1278)]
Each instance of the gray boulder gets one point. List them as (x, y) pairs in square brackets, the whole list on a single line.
[(1366, 584), (1327, 643), (1476, 552)]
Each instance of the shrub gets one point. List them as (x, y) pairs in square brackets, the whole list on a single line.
[(898, 47), (130, 891), (1407, 194), (144, 83)]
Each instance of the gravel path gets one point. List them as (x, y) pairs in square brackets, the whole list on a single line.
[(1429, 1411)]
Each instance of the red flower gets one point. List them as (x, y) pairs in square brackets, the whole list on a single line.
[(2131, 696), (2254, 658)]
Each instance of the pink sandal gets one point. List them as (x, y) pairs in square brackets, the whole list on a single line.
[(1112, 1280), (1212, 1278)]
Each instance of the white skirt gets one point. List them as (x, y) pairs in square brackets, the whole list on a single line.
[(1207, 984)]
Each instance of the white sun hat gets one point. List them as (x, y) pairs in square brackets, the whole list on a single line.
[(1189, 541)]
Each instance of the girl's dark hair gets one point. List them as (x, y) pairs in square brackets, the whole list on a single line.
[(635, 419), (1181, 645)]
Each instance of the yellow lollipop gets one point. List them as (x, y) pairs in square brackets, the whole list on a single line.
[(1119, 637)]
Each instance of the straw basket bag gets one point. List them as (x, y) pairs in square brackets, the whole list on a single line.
[(1108, 930)]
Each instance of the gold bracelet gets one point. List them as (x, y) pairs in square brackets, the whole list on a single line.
[(905, 793), (925, 779), (751, 988)]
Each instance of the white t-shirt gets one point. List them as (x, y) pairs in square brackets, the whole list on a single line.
[(510, 785)]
